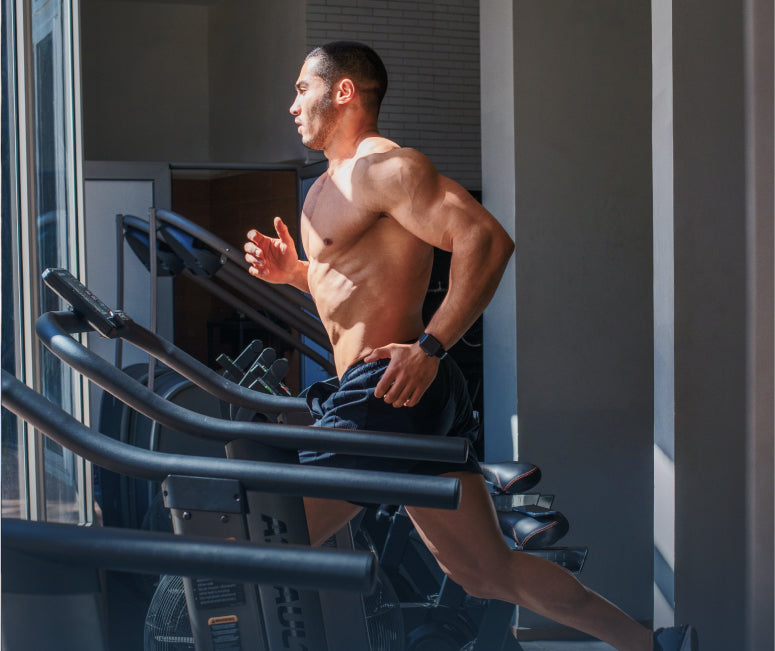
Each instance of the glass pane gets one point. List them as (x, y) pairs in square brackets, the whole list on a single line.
[(12, 466), (54, 153)]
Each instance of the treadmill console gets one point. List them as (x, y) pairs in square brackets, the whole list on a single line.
[(97, 314)]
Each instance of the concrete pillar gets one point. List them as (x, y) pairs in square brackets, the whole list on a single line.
[(664, 318), (723, 190), (498, 196), (583, 273)]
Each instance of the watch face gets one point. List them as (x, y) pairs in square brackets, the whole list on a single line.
[(431, 346)]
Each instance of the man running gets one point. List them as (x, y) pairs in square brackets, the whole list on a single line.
[(368, 227)]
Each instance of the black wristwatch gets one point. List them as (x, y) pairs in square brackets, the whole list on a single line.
[(431, 346)]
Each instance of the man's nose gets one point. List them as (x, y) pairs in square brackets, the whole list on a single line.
[(295, 108)]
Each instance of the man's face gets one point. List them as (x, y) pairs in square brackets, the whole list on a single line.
[(313, 109)]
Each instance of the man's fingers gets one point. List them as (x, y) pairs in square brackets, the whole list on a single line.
[(383, 387), (402, 396), (282, 231), (386, 382), (414, 398), (254, 256), (378, 353), (256, 237)]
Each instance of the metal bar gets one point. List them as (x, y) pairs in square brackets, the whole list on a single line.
[(335, 483), (209, 286), (259, 291), (53, 326), (152, 244), (226, 249), (162, 553)]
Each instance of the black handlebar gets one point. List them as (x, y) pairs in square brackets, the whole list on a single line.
[(53, 328), (203, 376), (161, 553), (335, 483)]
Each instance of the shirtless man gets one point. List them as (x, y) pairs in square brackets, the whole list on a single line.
[(368, 228)]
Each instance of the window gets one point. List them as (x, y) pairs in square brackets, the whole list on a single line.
[(41, 228)]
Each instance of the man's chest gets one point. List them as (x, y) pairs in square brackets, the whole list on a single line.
[(333, 220)]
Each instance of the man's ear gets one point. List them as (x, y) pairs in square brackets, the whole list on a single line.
[(345, 91)]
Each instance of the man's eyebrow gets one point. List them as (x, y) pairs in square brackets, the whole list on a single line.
[(300, 83)]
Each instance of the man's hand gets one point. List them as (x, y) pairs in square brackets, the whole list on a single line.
[(273, 259), (408, 375)]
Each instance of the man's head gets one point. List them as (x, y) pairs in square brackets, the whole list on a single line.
[(332, 76), (355, 61)]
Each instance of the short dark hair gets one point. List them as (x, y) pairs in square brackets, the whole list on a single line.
[(356, 61)]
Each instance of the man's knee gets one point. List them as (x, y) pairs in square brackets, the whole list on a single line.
[(504, 579)]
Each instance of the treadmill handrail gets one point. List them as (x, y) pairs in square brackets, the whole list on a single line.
[(226, 249), (269, 477), (52, 328), (210, 286), (236, 276), (155, 552), (205, 377)]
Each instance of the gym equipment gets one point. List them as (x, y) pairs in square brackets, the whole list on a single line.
[(438, 614), (155, 552), (293, 567), (267, 519), (494, 616), (219, 269), (233, 486), (184, 247)]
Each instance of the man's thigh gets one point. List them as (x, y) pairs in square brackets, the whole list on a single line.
[(469, 535), (326, 517)]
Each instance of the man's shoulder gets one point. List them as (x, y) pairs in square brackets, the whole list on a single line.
[(383, 164)]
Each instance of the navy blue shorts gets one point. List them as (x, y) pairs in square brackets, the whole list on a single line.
[(444, 410)]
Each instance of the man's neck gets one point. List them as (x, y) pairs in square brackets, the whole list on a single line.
[(343, 146)]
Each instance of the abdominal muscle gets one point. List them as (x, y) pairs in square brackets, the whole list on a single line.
[(370, 304)]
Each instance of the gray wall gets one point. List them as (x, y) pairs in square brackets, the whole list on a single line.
[(431, 51), (584, 278), (145, 81), (256, 50), (213, 81), (710, 326), (723, 320), (191, 81), (759, 17)]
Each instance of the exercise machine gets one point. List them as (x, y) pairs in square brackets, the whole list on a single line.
[(266, 518), (292, 567), (530, 525), (53, 592), (230, 512), (183, 247)]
